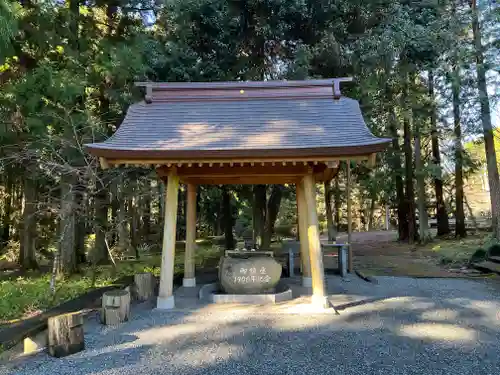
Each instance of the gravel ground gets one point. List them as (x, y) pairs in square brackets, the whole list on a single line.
[(414, 326)]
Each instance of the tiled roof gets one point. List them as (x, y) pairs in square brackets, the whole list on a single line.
[(238, 120)]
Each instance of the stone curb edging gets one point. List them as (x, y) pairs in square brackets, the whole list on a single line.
[(365, 277), (207, 293)]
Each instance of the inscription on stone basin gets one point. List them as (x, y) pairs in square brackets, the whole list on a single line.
[(253, 275)]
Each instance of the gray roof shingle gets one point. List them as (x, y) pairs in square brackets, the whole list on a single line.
[(257, 125)]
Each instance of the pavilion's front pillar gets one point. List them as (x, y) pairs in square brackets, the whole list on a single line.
[(349, 218), (189, 272), (304, 242), (165, 295), (319, 296)]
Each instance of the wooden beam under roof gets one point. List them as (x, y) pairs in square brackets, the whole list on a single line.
[(330, 161), (247, 174)]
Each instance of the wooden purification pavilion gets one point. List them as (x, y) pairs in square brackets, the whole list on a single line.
[(273, 132)]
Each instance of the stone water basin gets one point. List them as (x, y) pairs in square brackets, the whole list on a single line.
[(248, 273)]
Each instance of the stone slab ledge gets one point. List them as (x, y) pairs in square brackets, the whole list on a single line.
[(208, 292)]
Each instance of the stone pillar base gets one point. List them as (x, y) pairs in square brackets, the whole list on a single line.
[(165, 303), (307, 282), (189, 282)]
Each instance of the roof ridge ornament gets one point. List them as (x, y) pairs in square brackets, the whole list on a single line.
[(236, 90), (336, 86), (148, 98)]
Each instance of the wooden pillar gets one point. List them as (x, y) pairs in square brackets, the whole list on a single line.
[(319, 296), (304, 242), (189, 272), (349, 216), (165, 295)]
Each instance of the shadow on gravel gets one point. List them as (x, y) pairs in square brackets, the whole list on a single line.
[(401, 334)]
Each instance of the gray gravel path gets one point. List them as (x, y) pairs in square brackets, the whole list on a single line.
[(423, 326)]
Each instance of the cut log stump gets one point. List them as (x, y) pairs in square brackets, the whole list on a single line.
[(115, 307), (65, 334), (144, 285)]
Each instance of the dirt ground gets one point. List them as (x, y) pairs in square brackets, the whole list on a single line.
[(379, 253)]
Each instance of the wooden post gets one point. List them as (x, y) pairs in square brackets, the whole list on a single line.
[(165, 295), (115, 307), (65, 334), (315, 254), (144, 285), (304, 242), (189, 271), (349, 217)]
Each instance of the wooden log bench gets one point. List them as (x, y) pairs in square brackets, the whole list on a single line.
[(115, 307), (144, 286), (65, 334), (14, 333)]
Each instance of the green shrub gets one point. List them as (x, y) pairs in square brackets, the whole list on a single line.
[(288, 230), (478, 256), (445, 260), (494, 250), (241, 225), (11, 251), (31, 294), (247, 233), (221, 241)]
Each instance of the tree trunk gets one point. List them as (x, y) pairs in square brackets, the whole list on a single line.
[(27, 257), (259, 213), (145, 206), (332, 235), (134, 214), (115, 208), (372, 214), (7, 204), (100, 255), (489, 143), (161, 201), (443, 226), (219, 224), (366, 215), (227, 219), (409, 192), (337, 204), (273, 208), (423, 222), (181, 214), (471, 213), (459, 180), (123, 235), (67, 263), (80, 223), (395, 160)]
